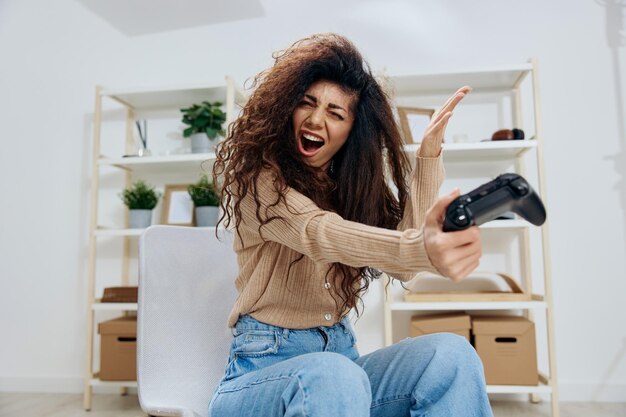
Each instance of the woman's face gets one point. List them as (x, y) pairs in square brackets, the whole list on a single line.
[(322, 122)]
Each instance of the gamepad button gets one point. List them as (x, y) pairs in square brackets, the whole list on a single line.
[(461, 217), (520, 187)]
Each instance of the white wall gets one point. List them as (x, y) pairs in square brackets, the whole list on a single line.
[(52, 54)]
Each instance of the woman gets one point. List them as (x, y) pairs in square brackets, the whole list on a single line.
[(306, 173)]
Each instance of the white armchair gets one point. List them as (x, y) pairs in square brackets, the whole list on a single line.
[(186, 291)]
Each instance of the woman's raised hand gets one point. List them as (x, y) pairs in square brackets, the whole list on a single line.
[(453, 254), (433, 137)]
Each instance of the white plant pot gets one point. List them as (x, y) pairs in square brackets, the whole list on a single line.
[(200, 143), (139, 219), (206, 216)]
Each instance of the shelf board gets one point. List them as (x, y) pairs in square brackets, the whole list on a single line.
[(447, 82), (167, 97), (135, 232), (491, 150), (100, 306), (519, 389), (96, 382), (146, 164), (467, 305), (506, 224), (119, 232)]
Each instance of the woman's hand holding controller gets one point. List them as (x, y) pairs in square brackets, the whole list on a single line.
[(453, 254)]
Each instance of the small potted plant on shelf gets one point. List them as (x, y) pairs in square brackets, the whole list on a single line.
[(140, 198), (206, 202), (205, 122)]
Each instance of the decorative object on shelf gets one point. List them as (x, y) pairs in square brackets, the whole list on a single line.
[(460, 138), (206, 202), (177, 206), (476, 287), (120, 295), (508, 134), (205, 122), (414, 122), (140, 198), (143, 137)]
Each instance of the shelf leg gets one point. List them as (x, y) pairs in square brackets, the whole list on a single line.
[(547, 266), (87, 396), (555, 404), (387, 312)]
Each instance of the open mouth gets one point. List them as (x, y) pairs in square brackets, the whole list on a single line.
[(310, 144)]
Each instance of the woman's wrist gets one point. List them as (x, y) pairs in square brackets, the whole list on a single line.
[(428, 152)]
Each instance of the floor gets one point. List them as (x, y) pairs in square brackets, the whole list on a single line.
[(70, 405)]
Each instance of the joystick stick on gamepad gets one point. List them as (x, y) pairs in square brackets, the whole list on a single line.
[(508, 192)]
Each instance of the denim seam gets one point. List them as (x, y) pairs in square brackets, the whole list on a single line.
[(269, 379), (388, 400), (303, 394)]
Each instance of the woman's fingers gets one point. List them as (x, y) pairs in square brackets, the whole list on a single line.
[(470, 251), (433, 137), (436, 213), (463, 260), (452, 102), (461, 239), (438, 128)]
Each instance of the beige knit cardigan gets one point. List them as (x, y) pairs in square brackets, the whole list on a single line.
[(300, 296)]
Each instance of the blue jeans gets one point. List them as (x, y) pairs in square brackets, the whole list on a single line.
[(317, 372)]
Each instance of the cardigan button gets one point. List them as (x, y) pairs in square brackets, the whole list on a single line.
[(327, 285), (328, 316)]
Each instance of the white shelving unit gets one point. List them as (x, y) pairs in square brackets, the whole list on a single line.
[(137, 101), (505, 81), (484, 81)]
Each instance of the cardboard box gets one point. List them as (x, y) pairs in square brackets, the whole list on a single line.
[(458, 323), (118, 349), (507, 348)]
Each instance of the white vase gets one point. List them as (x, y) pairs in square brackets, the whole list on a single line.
[(200, 143), (139, 219), (206, 216)]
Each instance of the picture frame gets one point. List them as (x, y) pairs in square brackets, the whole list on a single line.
[(178, 208), (413, 122)]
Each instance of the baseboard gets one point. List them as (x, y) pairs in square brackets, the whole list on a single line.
[(65, 385), (568, 391), (576, 392), (59, 385), (588, 392)]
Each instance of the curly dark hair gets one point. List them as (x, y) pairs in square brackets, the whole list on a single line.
[(357, 187)]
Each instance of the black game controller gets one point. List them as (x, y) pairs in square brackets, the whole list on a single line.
[(508, 192)]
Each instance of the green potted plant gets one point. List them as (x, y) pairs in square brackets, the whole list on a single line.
[(205, 201), (205, 121), (140, 198)]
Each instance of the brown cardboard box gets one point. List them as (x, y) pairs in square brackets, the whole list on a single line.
[(458, 323), (118, 349), (507, 348)]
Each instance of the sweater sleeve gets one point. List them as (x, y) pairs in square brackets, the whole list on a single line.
[(426, 179), (325, 237), (424, 185)]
